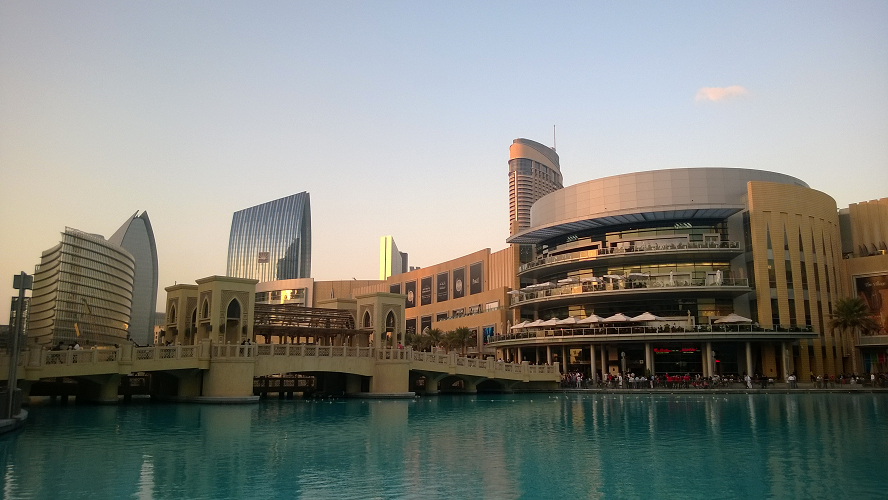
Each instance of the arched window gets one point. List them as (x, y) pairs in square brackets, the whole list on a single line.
[(172, 313), (366, 321), (390, 322), (205, 310), (234, 310)]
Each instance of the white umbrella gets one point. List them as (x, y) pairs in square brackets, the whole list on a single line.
[(567, 281), (570, 320), (592, 279), (550, 322), (646, 317), (519, 325), (617, 318), (613, 276), (638, 275), (533, 324), (733, 318), (589, 319)]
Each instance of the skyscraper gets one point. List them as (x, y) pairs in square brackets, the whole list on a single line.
[(534, 171), (83, 291), (137, 238), (391, 261), (272, 241)]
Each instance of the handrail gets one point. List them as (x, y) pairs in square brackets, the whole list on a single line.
[(659, 282), (592, 254), (534, 333)]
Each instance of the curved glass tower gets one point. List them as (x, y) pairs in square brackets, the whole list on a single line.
[(137, 238), (272, 241), (83, 292)]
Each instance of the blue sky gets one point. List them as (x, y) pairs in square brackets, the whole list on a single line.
[(397, 116)]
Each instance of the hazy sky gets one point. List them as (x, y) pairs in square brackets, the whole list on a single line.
[(397, 116)]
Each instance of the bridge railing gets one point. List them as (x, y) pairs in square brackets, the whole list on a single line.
[(484, 364), (313, 351), (77, 357)]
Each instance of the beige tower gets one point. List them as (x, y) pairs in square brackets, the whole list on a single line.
[(534, 171)]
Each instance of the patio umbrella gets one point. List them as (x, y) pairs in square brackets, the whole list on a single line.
[(550, 322), (534, 324), (613, 276), (638, 275), (589, 319), (733, 318), (617, 318), (570, 320), (567, 281), (646, 316), (519, 325), (588, 279), (514, 292)]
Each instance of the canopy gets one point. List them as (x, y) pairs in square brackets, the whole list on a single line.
[(613, 276), (589, 319), (570, 320), (567, 281), (646, 316), (733, 318), (637, 275), (593, 279), (532, 324), (617, 318), (550, 322), (514, 292), (519, 325)]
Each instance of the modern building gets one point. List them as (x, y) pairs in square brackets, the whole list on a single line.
[(83, 292), (137, 237), (865, 249), (271, 241), (391, 261), (534, 171), (689, 246)]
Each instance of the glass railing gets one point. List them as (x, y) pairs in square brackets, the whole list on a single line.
[(543, 332), (658, 282), (637, 249)]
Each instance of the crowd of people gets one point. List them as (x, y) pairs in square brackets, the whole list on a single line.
[(578, 380)]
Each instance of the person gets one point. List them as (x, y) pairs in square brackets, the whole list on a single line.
[(748, 380), (76, 346), (58, 347)]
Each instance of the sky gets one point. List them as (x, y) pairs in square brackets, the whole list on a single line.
[(397, 117)]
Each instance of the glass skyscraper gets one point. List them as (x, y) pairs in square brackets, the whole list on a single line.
[(272, 241), (137, 238)]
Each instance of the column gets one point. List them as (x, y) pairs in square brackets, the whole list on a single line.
[(563, 359), (593, 368), (783, 357), (548, 354), (749, 358), (707, 363), (649, 357), (603, 362), (520, 359), (536, 355)]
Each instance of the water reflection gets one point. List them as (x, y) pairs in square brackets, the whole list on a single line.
[(542, 445)]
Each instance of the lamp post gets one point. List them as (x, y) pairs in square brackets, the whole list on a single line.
[(20, 282)]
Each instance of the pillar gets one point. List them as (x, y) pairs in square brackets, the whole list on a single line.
[(593, 369), (548, 355), (520, 358), (749, 359), (649, 357), (783, 358), (707, 363), (603, 362)]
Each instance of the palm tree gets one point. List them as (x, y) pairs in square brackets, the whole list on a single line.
[(460, 338), (434, 337), (853, 313), (415, 341)]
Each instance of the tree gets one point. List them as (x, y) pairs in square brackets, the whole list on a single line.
[(433, 338), (460, 338), (852, 313)]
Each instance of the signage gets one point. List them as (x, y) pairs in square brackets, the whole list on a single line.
[(442, 287), (874, 291), (476, 277), (425, 323), (425, 291), (262, 258), (410, 292), (396, 288), (459, 283), (411, 326), (683, 350)]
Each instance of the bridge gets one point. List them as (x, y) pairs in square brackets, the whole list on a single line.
[(212, 372)]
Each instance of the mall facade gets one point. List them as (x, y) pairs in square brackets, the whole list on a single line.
[(725, 270)]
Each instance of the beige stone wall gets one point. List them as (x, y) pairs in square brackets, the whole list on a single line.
[(869, 226), (789, 214), (345, 289)]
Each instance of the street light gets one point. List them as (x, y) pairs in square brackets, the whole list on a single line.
[(20, 282)]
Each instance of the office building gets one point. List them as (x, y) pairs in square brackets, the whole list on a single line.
[(137, 237), (391, 261), (83, 292), (271, 241)]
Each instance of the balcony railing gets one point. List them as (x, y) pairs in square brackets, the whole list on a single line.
[(637, 249), (665, 331), (658, 282)]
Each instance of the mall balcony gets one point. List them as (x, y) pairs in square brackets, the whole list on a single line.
[(629, 254)]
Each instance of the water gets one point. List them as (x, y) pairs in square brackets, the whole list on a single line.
[(485, 446)]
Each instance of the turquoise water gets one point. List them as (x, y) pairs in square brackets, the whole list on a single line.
[(486, 446)]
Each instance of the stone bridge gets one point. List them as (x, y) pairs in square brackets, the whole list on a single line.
[(217, 372)]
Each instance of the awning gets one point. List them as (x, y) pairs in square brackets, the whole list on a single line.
[(733, 318), (646, 317), (617, 318)]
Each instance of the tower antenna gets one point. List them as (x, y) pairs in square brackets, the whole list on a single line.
[(554, 142)]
